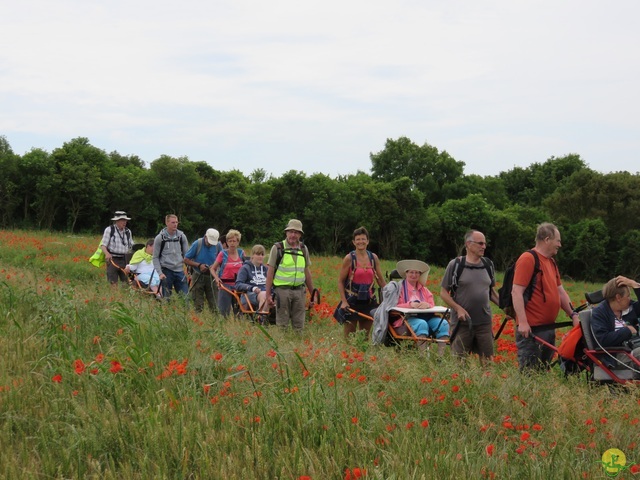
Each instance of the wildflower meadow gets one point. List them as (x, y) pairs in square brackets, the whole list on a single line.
[(102, 383)]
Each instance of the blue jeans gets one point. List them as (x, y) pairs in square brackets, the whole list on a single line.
[(176, 280)]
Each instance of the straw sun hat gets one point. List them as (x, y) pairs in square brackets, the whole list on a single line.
[(404, 265)]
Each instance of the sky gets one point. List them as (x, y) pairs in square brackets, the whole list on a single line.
[(319, 86)]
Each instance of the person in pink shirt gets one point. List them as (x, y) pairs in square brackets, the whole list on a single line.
[(225, 269), (415, 295), (359, 272)]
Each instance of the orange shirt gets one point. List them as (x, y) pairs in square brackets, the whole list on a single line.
[(544, 305)]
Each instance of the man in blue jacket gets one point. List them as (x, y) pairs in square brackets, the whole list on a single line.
[(615, 319)]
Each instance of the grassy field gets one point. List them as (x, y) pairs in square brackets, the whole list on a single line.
[(96, 383)]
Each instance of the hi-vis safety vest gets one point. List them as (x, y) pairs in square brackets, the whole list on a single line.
[(290, 271)]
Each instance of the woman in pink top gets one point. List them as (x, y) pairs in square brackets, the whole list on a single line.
[(359, 272), (225, 269), (414, 294)]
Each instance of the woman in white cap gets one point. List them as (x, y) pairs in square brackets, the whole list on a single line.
[(414, 294)]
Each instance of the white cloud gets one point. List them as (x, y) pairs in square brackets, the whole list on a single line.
[(317, 86)]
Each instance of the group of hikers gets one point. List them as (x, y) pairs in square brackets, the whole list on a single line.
[(534, 289), (218, 267)]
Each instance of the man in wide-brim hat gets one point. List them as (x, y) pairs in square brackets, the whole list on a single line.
[(116, 244)]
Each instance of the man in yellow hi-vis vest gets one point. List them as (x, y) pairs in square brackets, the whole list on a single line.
[(287, 276)]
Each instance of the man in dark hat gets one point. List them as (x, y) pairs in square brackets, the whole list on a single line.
[(116, 244)]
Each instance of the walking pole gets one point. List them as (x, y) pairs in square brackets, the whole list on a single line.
[(504, 322)]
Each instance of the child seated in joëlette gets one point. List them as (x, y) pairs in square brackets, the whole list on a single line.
[(415, 295), (141, 265), (252, 279)]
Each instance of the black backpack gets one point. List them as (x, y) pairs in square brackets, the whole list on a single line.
[(459, 266), (127, 235), (359, 290), (280, 251), (171, 240), (504, 292)]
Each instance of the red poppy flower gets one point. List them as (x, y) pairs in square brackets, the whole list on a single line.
[(57, 378), (353, 473), (116, 366), (79, 366)]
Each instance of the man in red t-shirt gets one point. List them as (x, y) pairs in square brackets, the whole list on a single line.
[(547, 298)]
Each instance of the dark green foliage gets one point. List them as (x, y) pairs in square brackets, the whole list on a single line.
[(627, 248), (417, 202), (586, 244)]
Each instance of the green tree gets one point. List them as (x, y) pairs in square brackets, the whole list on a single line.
[(532, 185), (397, 217), (233, 194), (627, 256), (427, 169), (174, 187), (333, 208), (459, 216), (80, 166), (40, 188), (584, 251), (513, 232), (491, 188), (129, 187), (9, 196), (613, 197)]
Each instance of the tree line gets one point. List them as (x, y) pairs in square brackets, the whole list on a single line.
[(416, 202)]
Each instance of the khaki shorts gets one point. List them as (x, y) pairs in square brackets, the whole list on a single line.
[(478, 340)]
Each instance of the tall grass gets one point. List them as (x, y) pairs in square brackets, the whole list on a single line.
[(102, 384)]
